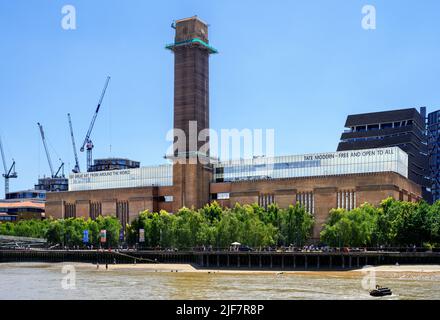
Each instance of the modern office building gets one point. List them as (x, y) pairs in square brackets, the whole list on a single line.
[(404, 128), (52, 184), (109, 164), (34, 195), (15, 211), (19, 205), (434, 152), (320, 182)]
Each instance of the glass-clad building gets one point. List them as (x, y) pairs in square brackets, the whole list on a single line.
[(27, 195), (391, 159), (113, 164), (434, 152), (130, 178)]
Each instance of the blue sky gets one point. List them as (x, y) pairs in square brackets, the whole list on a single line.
[(296, 66)]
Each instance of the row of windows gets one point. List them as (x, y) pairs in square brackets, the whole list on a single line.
[(26, 195), (434, 117), (344, 162), (95, 210), (307, 200), (274, 166), (69, 210), (434, 147), (352, 168), (346, 200), (130, 178), (8, 218), (264, 200), (123, 213), (378, 126), (376, 137), (21, 210)]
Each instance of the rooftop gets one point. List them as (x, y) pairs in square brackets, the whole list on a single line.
[(21, 204), (191, 18)]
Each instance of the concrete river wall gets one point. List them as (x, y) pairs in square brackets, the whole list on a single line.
[(225, 259)]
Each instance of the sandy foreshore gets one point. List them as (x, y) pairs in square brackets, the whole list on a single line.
[(164, 267)]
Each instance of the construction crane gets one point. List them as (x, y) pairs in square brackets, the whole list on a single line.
[(88, 144), (49, 160), (8, 174), (76, 169)]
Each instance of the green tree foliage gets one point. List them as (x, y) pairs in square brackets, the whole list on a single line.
[(215, 226), (25, 228), (67, 232), (350, 228), (393, 223), (296, 226)]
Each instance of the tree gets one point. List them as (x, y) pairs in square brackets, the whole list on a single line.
[(433, 221), (350, 228), (113, 226), (405, 223), (296, 225), (212, 211)]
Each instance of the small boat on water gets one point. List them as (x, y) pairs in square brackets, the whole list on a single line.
[(380, 292)]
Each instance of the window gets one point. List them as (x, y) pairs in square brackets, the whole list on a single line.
[(69, 210), (306, 200), (264, 200), (122, 213), (95, 210), (168, 199), (346, 200), (373, 127), (223, 196)]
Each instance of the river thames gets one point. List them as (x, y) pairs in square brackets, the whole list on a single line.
[(46, 281)]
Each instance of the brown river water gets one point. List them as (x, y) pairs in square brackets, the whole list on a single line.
[(45, 281)]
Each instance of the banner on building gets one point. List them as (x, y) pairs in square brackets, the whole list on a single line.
[(86, 236), (103, 236), (141, 235)]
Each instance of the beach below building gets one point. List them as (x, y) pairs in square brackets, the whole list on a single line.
[(169, 267)]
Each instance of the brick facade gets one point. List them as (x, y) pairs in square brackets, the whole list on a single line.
[(320, 192), (192, 186)]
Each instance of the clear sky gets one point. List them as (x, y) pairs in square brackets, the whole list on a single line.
[(298, 67)]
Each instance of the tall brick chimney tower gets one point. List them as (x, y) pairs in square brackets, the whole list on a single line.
[(191, 177)]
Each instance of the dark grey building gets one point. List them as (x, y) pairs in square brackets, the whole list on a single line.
[(35, 195), (109, 164), (434, 152), (405, 128), (52, 184)]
